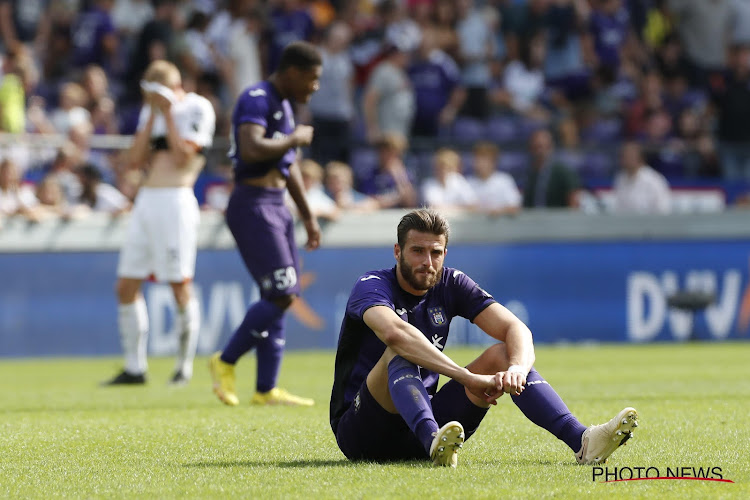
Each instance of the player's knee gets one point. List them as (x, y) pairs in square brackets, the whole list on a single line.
[(492, 360), (498, 354), (284, 302), (126, 290), (181, 293)]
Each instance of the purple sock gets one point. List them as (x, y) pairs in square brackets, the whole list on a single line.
[(257, 320), (542, 405), (411, 400), (268, 353)]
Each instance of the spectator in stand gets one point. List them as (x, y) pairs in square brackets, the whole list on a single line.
[(198, 59), (391, 185), (51, 201), (658, 25), (321, 205), (219, 188), (740, 21), (638, 188), (290, 22), (550, 184), (448, 189), (94, 39), (17, 79), (155, 41), (523, 80), (24, 23), (444, 27), (388, 100), (100, 103), (608, 31), (62, 169), (332, 106), (438, 95), (15, 198), (339, 184), (496, 191), (56, 58), (670, 59), (243, 61), (562, 26), (704, 28), (367, 46), (130, 16), (731, 101), (98, 196), (477, 50), (521, 20), (650, 99), (71, 112)]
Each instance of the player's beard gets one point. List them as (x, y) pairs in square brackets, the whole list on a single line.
[(422, 281)]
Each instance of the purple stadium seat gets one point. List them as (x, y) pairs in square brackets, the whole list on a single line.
[(364, 160), (528, 126), (515, 163), (573, 159), (603, 131), (598, 164), (468, 129), (503, 129)]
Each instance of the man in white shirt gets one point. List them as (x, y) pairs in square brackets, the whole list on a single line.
[(638, 188), (448, 189), (496, 192)]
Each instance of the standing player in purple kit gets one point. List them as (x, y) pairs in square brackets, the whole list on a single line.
[(385, 404), (264, 151)]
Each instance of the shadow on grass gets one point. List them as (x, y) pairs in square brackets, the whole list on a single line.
[(300, 464), (292, 464)]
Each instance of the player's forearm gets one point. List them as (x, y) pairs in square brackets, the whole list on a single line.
[(263, 149), (409, 343), (520, 346), (297, 192), (178, 147), (139, 149)]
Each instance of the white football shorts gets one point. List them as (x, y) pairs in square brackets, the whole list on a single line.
[(162, 236)]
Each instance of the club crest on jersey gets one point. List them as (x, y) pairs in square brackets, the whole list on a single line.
[(437, 315)]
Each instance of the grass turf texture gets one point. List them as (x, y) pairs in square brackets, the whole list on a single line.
[(63, 436)]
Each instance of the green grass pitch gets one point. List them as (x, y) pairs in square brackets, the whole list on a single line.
[(62, 436)]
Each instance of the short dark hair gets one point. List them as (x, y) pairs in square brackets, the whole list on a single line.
[(300, 55), (423, 220)]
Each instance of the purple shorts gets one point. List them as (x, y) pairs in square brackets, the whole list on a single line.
[(367, 432), (264, 231)]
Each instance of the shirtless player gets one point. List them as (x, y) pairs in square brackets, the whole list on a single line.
[(173, 129)]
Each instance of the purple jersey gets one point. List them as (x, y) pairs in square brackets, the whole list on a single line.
[(359, 349), (288, 27), (87, 35), (433, 80), (263, 105), (610, 33)]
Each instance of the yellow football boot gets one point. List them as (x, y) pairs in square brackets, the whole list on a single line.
[(222, 375), (278, 396)]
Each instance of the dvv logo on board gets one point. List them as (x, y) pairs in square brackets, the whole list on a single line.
[(648, 311)]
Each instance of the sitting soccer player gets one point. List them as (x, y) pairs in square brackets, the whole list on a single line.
[(385, 404)]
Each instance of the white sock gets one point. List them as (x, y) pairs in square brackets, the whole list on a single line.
[(188, 326), (133, 325)]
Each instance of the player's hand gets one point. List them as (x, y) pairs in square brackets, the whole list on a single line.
[(313, 233), (159, 102), (512, 382), (303, 135), (486, 387)]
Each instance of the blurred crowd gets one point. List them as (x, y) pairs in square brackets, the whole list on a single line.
[(485, 105)]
